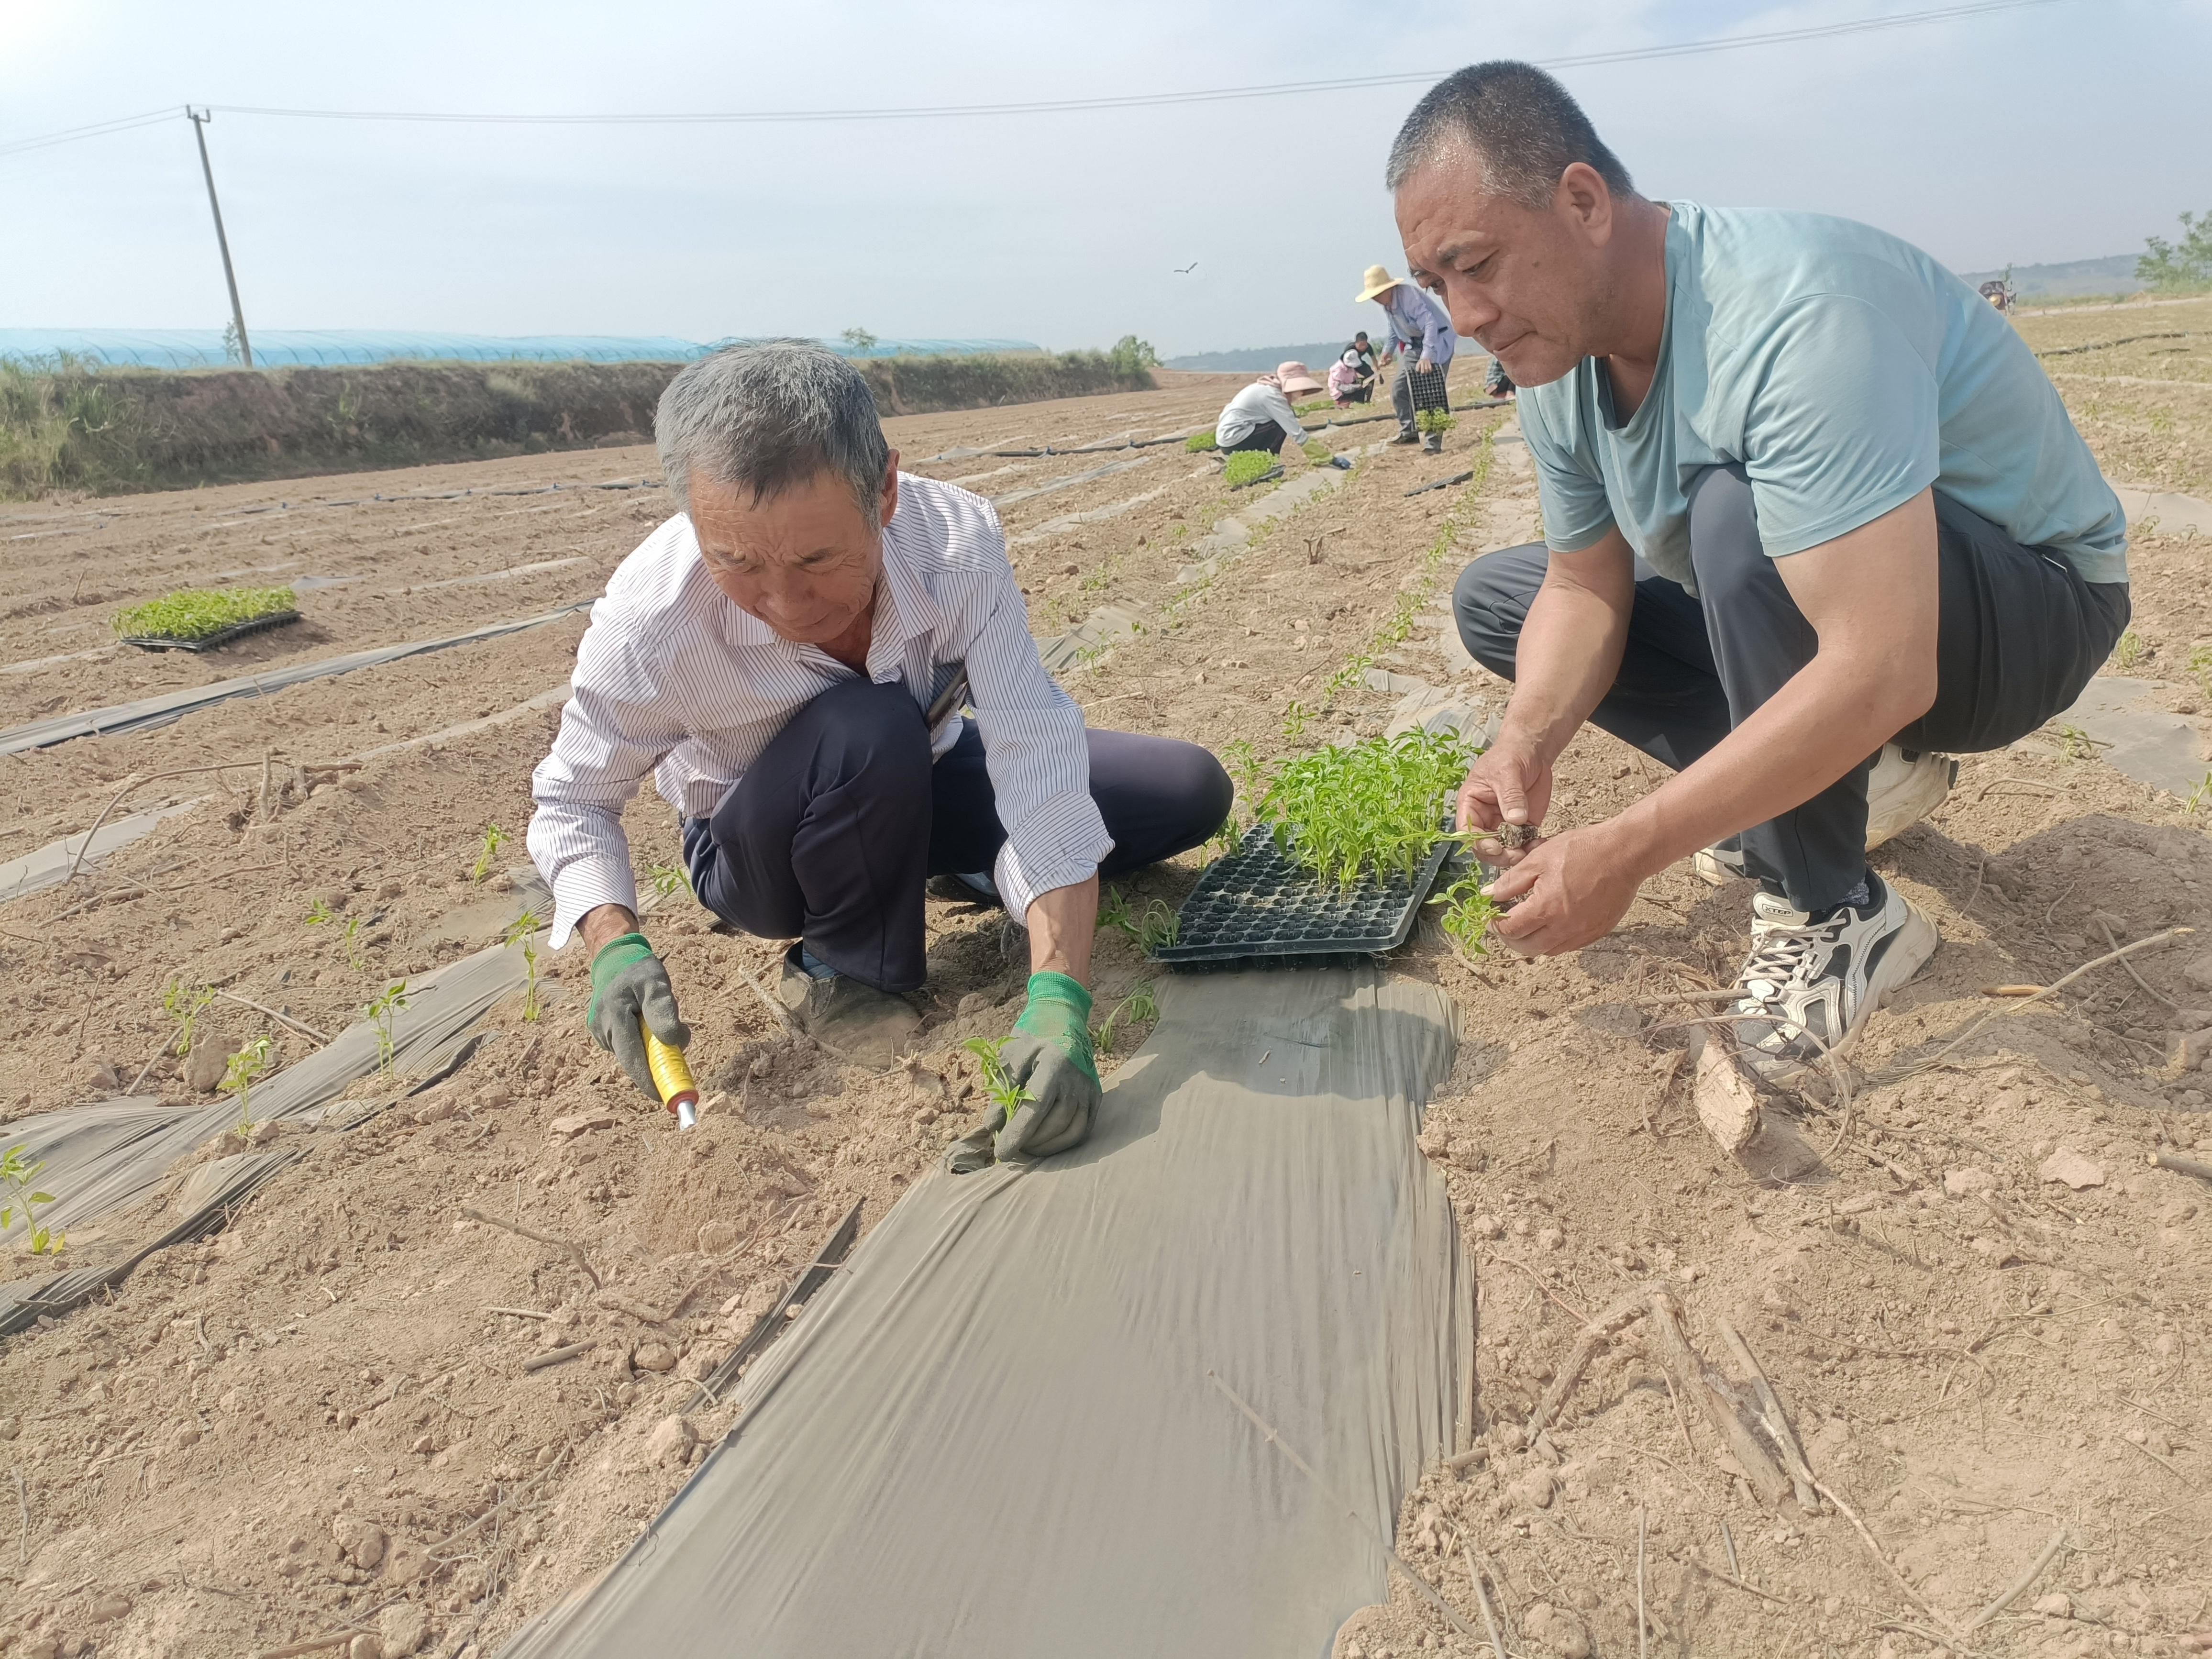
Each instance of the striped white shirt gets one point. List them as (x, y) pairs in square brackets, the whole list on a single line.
[(673, 679)]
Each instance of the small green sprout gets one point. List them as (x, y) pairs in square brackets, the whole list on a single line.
[(2129, 651), (999, 1086), (1294, 720), (494, 839), (21, 1178), (318, 913), (185, 1004), (1247, 466), (523, 930), (667, 879), (2076, 745), (1468, 912), (245, 1064), (382, 1009), (351, 945), (1160, 928), (1139, 1008), (2200, 666), (1199, 442), (195, 613), (2198, 795)]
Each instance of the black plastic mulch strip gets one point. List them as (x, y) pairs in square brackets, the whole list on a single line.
[(1442, 483), (766, 1328), (221, 637), (1256, 903)]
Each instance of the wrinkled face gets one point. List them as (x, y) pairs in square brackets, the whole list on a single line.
[(804, 562), (1525, 283)]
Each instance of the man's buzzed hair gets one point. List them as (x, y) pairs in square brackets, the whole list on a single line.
[(1527, 128), (767, 415)]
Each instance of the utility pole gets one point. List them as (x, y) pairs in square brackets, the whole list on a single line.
[(199, 119)]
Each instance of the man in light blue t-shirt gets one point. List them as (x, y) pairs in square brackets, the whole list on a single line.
[(1814, 518)]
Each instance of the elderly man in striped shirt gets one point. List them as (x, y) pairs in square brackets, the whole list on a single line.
[(773, 657)]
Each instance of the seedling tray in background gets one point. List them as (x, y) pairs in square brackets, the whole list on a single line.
[(210, 641), (1256, 903)]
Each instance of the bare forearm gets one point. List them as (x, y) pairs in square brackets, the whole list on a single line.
[(1060, 924), (604, 922)]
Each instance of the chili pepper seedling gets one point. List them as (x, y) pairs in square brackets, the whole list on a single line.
[(999, 1087), (1468, 912), (1247, 466), (667, 877), (347, 943), (1436, 420), (245, 1064), (524, 930), (195, 612), (1199, 442), (318, 913), (494, 839), (1376, 806), (21, 1178), (184, 1003), (381, 1010), (1139, 1008)]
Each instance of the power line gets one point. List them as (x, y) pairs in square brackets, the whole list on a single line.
[(1057, 106)]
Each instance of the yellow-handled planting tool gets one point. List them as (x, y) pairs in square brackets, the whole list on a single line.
[(671, 1075)]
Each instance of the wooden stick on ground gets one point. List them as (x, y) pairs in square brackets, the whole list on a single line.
[(1680, 1358), (1594, 1335), (539, 1362), (1888, 1566), (282, 1019), (1643, 1631), (2019, 1586), (2188, 1166), (318, 1644), (1482, 1600), (1769, 1411), (1435, 1597), (575, 1250)]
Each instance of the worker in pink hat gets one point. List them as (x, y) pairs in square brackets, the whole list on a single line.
[(1259, 416)]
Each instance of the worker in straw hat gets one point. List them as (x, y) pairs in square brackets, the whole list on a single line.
[(1421, 334), (1259, 416)]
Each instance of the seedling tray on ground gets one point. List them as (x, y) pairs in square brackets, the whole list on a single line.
[(1257, 904), (210, 641)]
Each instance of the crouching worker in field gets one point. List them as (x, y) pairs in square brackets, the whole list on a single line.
[(1259, 416), (768, 655), (1812, 513)]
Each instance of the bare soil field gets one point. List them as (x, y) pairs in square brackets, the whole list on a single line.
[(324, 1423)]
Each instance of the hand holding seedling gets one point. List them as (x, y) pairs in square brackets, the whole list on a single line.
[(1566, 891), (1043, 1081), (1510, 783)]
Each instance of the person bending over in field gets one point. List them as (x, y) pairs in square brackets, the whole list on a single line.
[(1811, 514), (768, 655), (1259, 416)]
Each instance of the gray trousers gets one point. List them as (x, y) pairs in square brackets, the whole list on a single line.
[(2019, 634)]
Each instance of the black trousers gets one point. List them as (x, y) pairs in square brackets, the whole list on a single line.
[(1268, 435), (1414, 391), (832, 831), (2019, 634)]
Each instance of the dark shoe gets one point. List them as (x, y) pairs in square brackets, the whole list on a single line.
[(852, 1019), (1406, 437), (1434, 443)]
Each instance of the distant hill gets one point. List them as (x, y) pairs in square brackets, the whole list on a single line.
[(1258, 360), (2115, 275)]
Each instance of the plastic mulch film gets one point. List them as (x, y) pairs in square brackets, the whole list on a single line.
[(1004, 1427)]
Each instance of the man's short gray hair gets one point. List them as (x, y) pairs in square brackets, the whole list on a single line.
[(767, 417), (1526, 127)]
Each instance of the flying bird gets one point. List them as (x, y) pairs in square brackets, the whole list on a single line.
[(1185, 270)]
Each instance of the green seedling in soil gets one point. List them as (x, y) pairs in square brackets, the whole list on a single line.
[(668, 878), (1467, 915), (1377, 805), (1247, 466), (245, 1064), (318, 913), (20, 1177), (523, 931), (195, 613), (184, 1003), (1114, 913), (2076, 745), (1199, 442), (2198, 795), (999, 1086), (1435, 420), (1294, 720), (494, 839), (2200, 666), (381, 1010), (2129, 651), (1317, 406), (1139, 1008), (351, 945), (1160, 928)]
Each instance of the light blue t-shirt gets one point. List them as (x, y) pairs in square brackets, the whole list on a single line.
[(1846, 371)]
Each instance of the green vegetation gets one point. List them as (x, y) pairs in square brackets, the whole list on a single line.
[(183, 1004), (1377, 805), (523, 930), (320, 915), (21, 1179), (1160, 927), (194, 613), (494, 839), (2182, 268), (1467, 915), (1247, 466), (1317, 451), (858, 340), (1132, 357), (1406, 606), (2076, 745), (2200, 667), (2129, 651), (999, 1087), (1199, 442), (1139, 1008), (2198, 794), (1435, 420), (668, 878), (382, 1009), (245, 1064), (1294, 720)]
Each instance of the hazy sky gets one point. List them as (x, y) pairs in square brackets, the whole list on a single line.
[(2060, 132)]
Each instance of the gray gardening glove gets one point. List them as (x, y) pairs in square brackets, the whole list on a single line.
[(628, 983)]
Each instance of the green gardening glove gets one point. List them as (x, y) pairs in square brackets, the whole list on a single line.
[(628, 983), (1049, 1056)]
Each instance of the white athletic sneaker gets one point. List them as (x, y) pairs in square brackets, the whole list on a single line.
[(1809, 984), (1904, 787)]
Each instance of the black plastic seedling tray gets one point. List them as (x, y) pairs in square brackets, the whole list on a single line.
[(210, 641), (1256, 905)]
